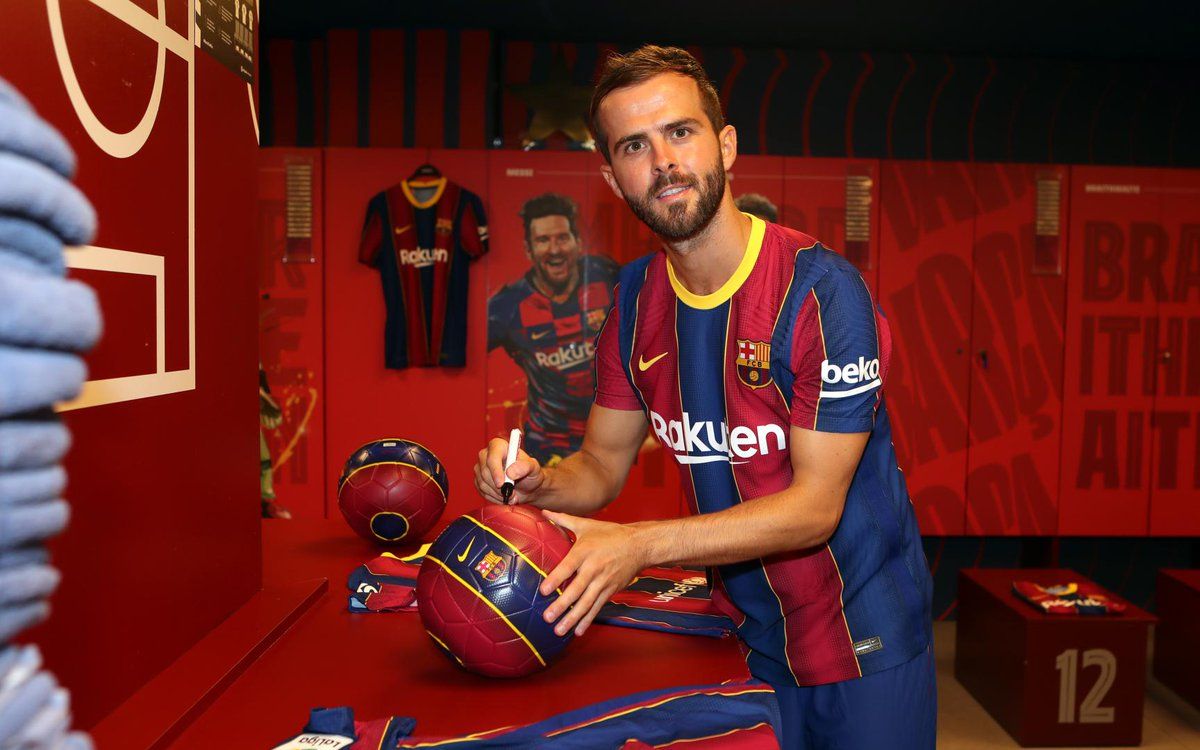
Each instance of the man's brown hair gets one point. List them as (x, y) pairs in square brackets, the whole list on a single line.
[(643, 64)]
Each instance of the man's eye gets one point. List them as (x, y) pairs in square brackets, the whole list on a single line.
[(681, 132), (633, 148)]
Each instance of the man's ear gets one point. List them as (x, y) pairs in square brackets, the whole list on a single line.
[(728, 140), (606, 171)]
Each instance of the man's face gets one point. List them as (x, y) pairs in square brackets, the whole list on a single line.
[(553, 250), (666, 161)]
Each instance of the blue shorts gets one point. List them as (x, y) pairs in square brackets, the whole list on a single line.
[(894, 709)]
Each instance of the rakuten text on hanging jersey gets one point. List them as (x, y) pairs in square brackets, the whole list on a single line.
[(793, 339)]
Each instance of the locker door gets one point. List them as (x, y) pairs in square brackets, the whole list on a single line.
[(925, 287), (822, 197), (1016, 349), (1114, 237), (1174, 468)]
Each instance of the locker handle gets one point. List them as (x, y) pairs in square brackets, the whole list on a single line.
[(983, 358)]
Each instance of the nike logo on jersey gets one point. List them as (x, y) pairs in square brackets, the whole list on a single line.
[(539, 335), (644, 365), (463, 556), (403, 229)]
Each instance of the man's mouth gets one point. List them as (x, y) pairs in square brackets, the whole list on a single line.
[(673, 191), (555, 263)]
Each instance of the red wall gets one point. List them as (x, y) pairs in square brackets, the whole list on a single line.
[(995, 386), (291, 333), (165, 538)]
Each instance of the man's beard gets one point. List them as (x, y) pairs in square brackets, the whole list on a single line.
[(678, 224)]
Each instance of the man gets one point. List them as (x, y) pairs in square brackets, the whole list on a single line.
[(759, 205), (756, 356), (547, 321)]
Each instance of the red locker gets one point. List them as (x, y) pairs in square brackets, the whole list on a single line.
[(824, 196), (291, 315), (1114, 240), (1016, 349), (1174, 468), (925, 288), (440, 407)]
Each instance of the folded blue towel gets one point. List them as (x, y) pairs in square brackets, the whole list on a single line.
[(31, 485), (32, 443), (23, 702), (31, 554), (39, 193), (48, 728), (47, 312), (23, 133), (35, 378), (9, 95), (25, 237), (21, 524), (27, 582), (21, 617)]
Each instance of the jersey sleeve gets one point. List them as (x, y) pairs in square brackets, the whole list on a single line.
[(497, 320), (472, 225), (373, 230), (613, 390), (836, 356)]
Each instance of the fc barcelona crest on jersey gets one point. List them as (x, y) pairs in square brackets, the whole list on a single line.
[(595, 318), (754, 363), (444, 227), (491, 567)]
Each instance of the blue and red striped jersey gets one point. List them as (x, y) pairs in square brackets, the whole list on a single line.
[(742, 714), (554, 344), (421, 235), (793, 338)]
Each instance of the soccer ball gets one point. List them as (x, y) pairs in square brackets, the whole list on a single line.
[(477, 591), (392, 491)]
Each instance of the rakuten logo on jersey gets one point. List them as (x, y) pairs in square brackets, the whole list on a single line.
[(567, 356), (423, 257), (862, 373), (707, 442)]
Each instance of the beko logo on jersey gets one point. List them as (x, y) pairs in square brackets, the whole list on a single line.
[(855, 372), (705, 442), (864, 374), (424, 256), (567, 357)]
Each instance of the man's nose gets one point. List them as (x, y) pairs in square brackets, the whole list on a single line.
[(666, 159)]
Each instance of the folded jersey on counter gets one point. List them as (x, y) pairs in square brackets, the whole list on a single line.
[(673, 600), (1072, 598)]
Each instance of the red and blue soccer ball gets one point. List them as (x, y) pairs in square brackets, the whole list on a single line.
[(477, 591), (392, 491)]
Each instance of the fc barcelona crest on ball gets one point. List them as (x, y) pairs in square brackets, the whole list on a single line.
[(491, 567), (754, 363)]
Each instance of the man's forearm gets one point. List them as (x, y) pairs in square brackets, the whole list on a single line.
[(781, 522), (579, 485)]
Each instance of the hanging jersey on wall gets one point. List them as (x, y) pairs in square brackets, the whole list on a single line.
[(421, 235)]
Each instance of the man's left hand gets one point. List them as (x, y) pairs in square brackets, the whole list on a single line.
[(604, 559)]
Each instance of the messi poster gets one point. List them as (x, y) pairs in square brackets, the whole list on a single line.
[(558, 237)]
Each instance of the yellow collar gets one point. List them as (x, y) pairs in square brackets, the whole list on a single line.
[(708, 301), (437, 195)]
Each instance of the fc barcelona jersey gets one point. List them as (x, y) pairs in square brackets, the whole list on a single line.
[(421, 235), (792, 339)]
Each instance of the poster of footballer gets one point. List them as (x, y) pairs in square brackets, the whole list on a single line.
[(559, 237)]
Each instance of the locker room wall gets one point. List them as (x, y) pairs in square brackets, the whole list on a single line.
[(997, 367), (164, 540)]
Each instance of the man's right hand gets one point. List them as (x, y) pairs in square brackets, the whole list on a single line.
[(525, 472)]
